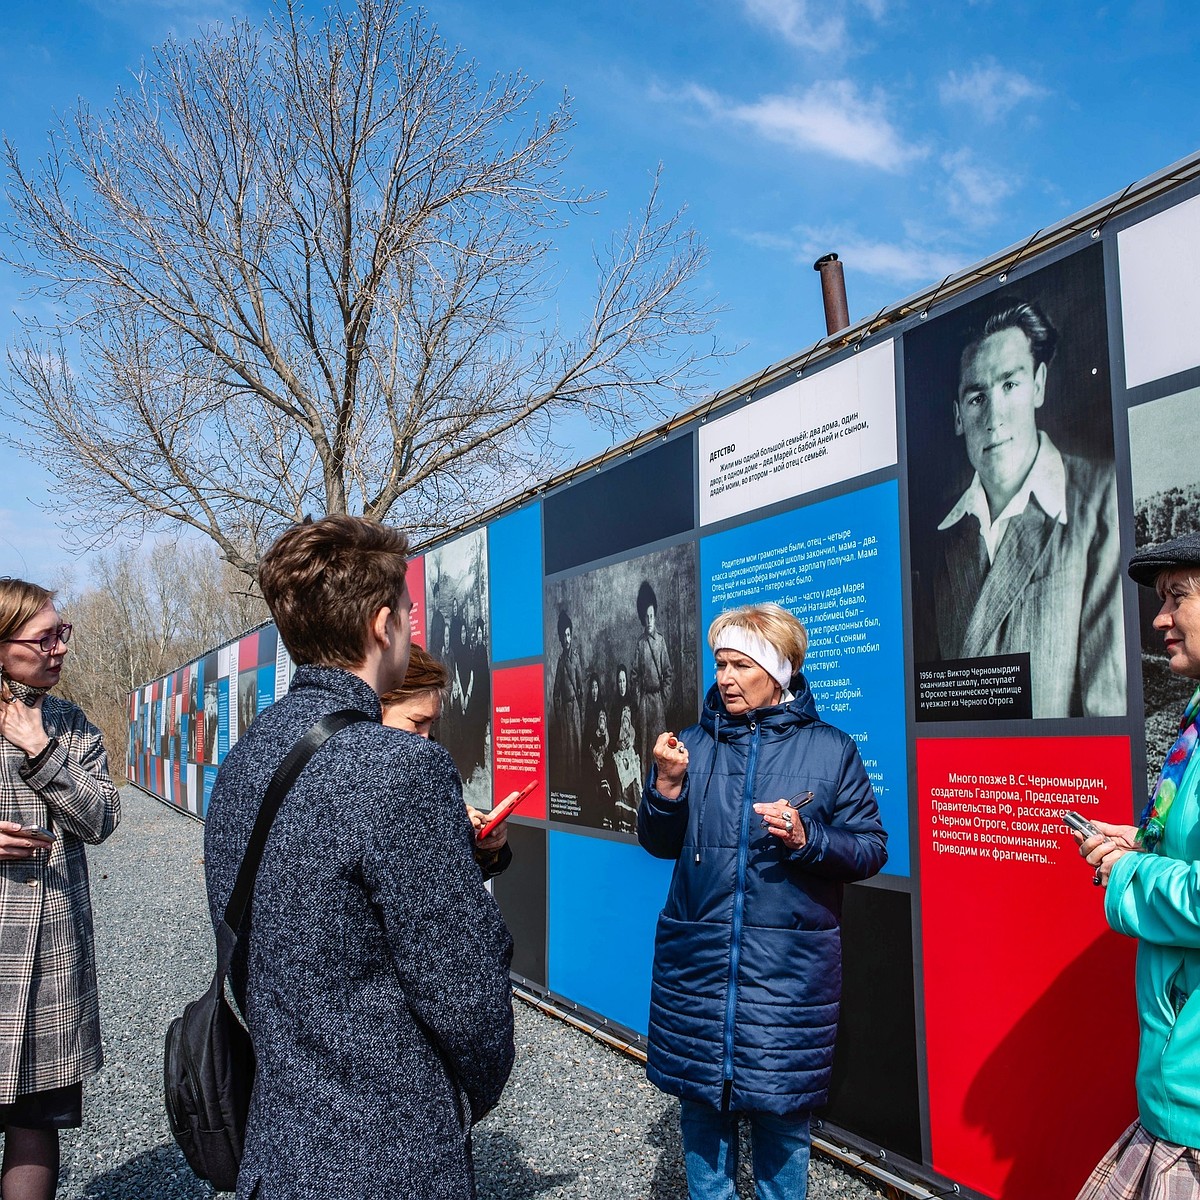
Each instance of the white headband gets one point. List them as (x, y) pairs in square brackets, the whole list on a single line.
[(746, 641)]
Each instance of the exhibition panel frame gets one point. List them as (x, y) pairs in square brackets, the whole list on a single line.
[(989, 681)]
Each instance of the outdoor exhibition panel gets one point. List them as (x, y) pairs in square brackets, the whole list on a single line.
[(989, 684)]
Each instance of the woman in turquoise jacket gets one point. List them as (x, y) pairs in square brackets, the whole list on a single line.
[(1151, 876)]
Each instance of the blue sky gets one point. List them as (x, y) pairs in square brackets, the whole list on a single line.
[(913, 139)]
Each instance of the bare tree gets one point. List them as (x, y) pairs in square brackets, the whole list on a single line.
[(143, 616), (308, 269)]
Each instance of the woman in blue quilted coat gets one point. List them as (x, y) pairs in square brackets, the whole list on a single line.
[(767, 811)]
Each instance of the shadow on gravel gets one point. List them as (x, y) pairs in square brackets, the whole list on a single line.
[(500, 1173), (161, 1172), (669, 1182)]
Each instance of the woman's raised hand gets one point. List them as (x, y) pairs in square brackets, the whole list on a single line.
[(1102, 849), (780, 821), (671, 759), (22, 724), (496, 839)]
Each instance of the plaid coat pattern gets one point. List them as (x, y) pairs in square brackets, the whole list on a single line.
[(49, 1014)]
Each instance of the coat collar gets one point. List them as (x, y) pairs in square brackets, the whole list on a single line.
[(347, 690), (779, 719), (22, 691)]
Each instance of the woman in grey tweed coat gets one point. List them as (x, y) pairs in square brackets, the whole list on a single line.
[(375, 981), (55, 795)]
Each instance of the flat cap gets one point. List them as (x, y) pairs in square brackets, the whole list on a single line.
[(1146, 564)]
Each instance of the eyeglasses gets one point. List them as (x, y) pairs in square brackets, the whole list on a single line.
[(49, 643)]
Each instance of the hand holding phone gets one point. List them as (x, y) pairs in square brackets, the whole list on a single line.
[(504, 809), (1079, 824)]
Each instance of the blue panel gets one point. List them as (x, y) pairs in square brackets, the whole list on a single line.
[(210, 779), (222, 718), (605, 898), (515, 572), (836, 565), (266, 685)]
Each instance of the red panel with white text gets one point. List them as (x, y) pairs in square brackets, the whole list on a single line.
[(518, 719), (1024, 982)]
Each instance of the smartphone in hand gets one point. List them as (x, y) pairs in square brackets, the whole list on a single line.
[(38, 831), (1079, 824), (504, 809)]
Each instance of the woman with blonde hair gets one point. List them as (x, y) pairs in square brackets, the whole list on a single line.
[(55, 796), (768, 812)]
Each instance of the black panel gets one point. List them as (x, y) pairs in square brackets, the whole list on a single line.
[(874, 1091), (641, 501), (521, 893), (268, 644)]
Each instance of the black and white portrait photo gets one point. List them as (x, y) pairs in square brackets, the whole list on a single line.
[(210, 709), (247, 706), (458, 632), (1012, 500), (193, 706), (620, 669)]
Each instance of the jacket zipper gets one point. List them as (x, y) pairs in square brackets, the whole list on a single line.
[(707, 782), (739, 903)]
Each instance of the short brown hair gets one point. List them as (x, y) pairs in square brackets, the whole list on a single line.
[(773, 624), (19, 601), (425, 674), (325, 580)]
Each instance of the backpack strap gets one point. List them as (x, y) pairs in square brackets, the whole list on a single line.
[(281, 783)]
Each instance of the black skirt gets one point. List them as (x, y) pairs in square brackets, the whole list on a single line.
[(57, 1108)]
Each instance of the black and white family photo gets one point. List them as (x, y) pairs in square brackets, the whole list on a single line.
[(620, 669), (458, 632)]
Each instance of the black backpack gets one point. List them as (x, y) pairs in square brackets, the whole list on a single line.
[(208, 1063)]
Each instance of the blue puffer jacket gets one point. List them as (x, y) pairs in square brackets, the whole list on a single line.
[(748, 956)]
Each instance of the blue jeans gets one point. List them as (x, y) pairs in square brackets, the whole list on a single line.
[(779, 1146)]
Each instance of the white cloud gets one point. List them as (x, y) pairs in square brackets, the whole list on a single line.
[(906, 263), (900, 262), (975, 192), (820, 27), (829, 118), (794, 21), (989, 90)]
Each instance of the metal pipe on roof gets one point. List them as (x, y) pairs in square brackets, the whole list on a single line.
[(833, 292)]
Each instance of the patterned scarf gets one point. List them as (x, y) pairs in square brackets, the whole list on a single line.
[(22, 691), (1154, 818)]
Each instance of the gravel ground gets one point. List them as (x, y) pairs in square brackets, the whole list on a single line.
[(577, 1120)]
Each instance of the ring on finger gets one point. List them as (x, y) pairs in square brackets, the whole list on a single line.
[(1096, 877), (787, 821)]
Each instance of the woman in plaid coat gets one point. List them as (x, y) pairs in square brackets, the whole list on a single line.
[(55, 795)]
